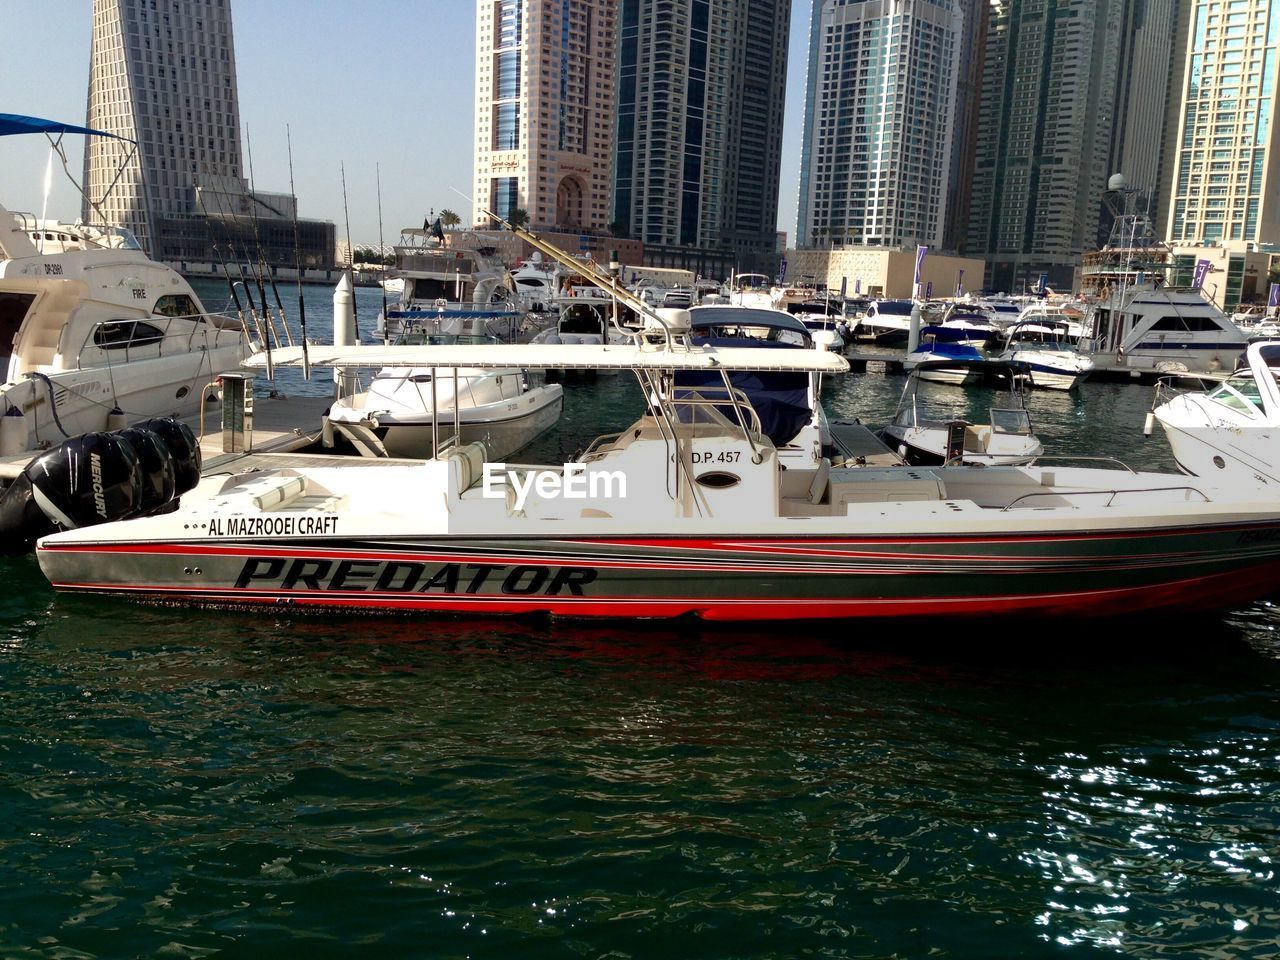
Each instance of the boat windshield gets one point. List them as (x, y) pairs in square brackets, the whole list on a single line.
[(1239, 393), (1013, 420)]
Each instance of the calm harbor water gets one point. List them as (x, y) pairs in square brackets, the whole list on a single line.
[(176, 783)]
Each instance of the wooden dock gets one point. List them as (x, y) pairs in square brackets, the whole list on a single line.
[(886, 363)]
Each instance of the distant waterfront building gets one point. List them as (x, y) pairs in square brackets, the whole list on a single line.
[(545, 111), (701, 86), (164, 75), (1071, 94), (1227, 181), (880, 122)]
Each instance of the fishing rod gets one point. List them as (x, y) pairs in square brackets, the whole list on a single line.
[(257, 243), (355, 313), (297, 259), (222, 262)]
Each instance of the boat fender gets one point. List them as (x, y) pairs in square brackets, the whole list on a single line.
[(158, 469), (116, 419), (13, 432), (183, 447), (1148, 425)]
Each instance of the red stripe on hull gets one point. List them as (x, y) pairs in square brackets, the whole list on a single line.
[(1198, 594)]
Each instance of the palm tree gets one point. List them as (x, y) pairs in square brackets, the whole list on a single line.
[(518, 217), (449, 219)]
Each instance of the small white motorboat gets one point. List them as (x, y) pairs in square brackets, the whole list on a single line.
[(926, 436), (410, 412), (1046, 347)]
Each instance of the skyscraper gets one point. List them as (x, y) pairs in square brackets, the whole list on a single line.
[(163, 74), (1071, 94), (880, 121), (701, 87), (1226, 183), (545, 110)]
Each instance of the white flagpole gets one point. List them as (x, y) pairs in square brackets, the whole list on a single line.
[(48, 188)]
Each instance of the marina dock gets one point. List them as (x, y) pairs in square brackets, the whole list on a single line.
[(281, 425)]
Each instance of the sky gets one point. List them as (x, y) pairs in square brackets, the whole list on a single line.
[(382, 88)]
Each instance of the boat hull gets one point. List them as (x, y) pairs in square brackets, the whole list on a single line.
[(1082, 574), (506, 428)]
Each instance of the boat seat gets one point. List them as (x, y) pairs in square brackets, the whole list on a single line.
[(275, 492), (821, 478), (466, 466)]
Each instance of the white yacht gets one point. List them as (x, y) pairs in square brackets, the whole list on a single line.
[(1230, 433), (751, 290), (536, 284), (1151, 329), (454, 284), (93, 333), (888, 322)]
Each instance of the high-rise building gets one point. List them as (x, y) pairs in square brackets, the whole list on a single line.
[(1071, 94), (163, 75), (701, 87), (880, 121), (964, 142), (545, 111), (1226, 183)]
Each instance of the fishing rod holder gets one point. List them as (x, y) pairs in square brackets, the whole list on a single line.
[(237, 412)]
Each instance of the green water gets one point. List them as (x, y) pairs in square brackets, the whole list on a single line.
[(176, 783)]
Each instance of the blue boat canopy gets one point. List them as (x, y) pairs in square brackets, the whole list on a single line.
[(13, 123)]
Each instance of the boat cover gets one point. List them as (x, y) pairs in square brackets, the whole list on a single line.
[(780, 399), (13, 123)]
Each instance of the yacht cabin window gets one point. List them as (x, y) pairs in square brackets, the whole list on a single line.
[(122, 334), (175, 305)]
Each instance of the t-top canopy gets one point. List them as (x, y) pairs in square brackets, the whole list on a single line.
[(13, 123)]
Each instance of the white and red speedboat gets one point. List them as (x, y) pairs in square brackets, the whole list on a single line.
[(686, 512)]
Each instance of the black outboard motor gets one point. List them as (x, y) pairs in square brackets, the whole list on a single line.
[(158, 472), (183, 448), (88, 479), (99, 477)]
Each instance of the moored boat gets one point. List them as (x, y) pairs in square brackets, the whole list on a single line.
[(688, 511)]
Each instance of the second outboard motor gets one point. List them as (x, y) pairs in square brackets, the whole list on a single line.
[(183, 448), (158, 470)]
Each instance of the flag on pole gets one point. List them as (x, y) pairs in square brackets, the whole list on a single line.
[(928, 290), (1273, 300), (844, 285), (1202, 271), (921, 253), (1043, 284), (960, 283), (857, 287), (782, 272)]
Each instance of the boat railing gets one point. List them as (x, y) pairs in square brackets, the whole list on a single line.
[(1109, 494), (1069, 458), (118, 339), (594, 451)]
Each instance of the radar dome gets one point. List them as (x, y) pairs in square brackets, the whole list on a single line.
[(1118, 181)]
